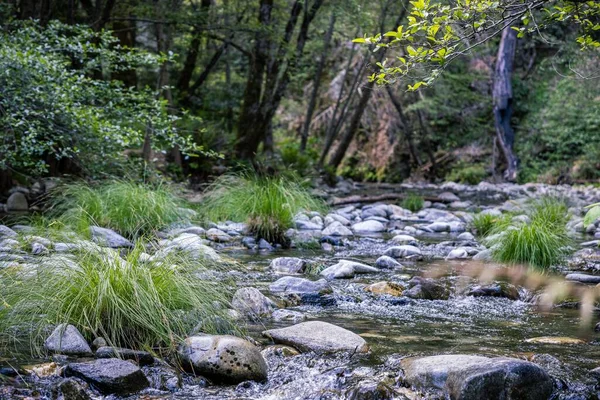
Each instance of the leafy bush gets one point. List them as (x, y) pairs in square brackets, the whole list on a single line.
[(471, 175), (132, 209), (267, 204), (541, 242), (53, 109), (413, 202), (128, 302)]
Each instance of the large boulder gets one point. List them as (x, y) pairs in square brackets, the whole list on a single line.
[(252, 303), (292, 284), (346, 269), (222, 358), (66, 339), (108, 237), (466, 377), (110, 375), (318, 336), (368, 227), (17, 202), (288, 265)]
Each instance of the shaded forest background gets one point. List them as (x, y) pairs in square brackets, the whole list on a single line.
[(279, 84)]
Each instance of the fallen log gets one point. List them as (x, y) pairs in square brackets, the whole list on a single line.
[(336, 201)]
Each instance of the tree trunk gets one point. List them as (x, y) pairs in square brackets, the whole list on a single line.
[(189, 64), (316, 84), (406, 126), (503, 100)]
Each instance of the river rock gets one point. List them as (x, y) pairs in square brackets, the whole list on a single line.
[(466, 236), (72, 389), (6, 232), (288, 265), (368, 227), (141, 357), (17, 202), (467, 377), (108, 237), (483, 255), (448, 197), (223, 358), (404, 239), (191, 244), (252, 303), (110, 375), (404, 251), (374, 211), (583, 278), (457, 254), (217, 235), (346, 269), (337, 229), (426, 289), (66, 339), (291, 284), (318, 336), (554, 340), (386, 262), (308, 225), (498, 289), (383, 288), (438, 227)]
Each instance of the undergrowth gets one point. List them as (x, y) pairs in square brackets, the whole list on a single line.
[(413, 202)]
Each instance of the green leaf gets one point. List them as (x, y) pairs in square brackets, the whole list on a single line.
[(359, 40)]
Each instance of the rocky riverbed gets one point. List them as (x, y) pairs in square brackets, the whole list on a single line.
[(372, 302)]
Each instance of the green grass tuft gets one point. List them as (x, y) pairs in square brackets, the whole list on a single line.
[(413, 202), (484, 224), (130, 208), (129, 302), (267, 204), (542, 242)]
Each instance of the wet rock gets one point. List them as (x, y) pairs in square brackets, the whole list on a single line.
[(252, 303), (386, 262), (217, 235), (222, 358), (279, 351), (332, 240), (71, 389), (140, 357), (264, 245), (320, 337), (554, 340), (583, 278), (370, 390), (17, 202), (385, 288), (404, 239), (108, 237), (404, 251), (346, 269), (426, 289), (467, 377), (66, 339), (110, 375), (291, 284), (368, 227), (288, 265), (458, 254), (499, 289), (6, 232), (337, 229), (287, 315), (249, 242)]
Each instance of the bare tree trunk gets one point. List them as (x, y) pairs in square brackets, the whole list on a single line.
[(189, 63), (406, 126), (316, 84), (503, 100)]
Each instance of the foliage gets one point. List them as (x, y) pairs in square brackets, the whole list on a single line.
[(129, 302), (54, 104), (413, 202), (267, 203), (541, 242), (130, 208), (484, 224), (592, 214), (471, 175), (439, 32)]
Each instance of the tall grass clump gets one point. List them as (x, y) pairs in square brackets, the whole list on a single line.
[(267, 203), (484, 224), (129, 301), (413, 202), (130, 208), (541, 242)]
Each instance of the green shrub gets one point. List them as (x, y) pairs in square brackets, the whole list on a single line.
[(128, 302), (471, 175), (413, 202), (541, 242), (132, 209), (267, 204)]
